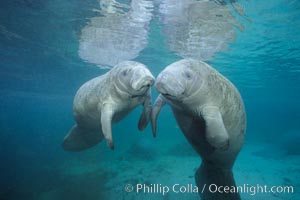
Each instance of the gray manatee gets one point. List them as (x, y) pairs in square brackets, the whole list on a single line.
[(210, 112), (107, 99)]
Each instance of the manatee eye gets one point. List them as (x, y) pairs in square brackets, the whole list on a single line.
[(188, 75), (124, 73)]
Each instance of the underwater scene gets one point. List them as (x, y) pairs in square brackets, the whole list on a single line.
[(194, 99)]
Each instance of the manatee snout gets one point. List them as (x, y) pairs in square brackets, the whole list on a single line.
[(142, 79), (169, 85)]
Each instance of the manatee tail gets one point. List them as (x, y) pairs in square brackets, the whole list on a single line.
[(210, 178), (79, 139)]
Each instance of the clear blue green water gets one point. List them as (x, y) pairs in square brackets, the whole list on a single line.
[(41, 69)]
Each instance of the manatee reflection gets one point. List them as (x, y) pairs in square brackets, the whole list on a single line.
[(193, 29), (118, 34), (198, 29)]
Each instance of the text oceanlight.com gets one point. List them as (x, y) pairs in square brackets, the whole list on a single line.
[(213, 188)]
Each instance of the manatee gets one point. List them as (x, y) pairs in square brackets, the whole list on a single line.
[(210, 112), (107, 99)]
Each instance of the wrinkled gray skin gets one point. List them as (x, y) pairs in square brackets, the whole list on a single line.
[(107, 99), (210, 112)]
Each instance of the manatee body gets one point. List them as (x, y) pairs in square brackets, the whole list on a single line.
[(210, 112), (107, 99)]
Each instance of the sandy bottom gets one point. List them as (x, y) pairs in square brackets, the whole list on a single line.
[(88, 177)]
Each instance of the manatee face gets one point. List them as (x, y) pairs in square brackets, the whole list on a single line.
[(134, 78), (179, 80)]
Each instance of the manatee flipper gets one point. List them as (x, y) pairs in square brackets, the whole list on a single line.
[(79, 139), (106, 121), (210, 175), (216, 133), (159, 103), (145, 116)]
